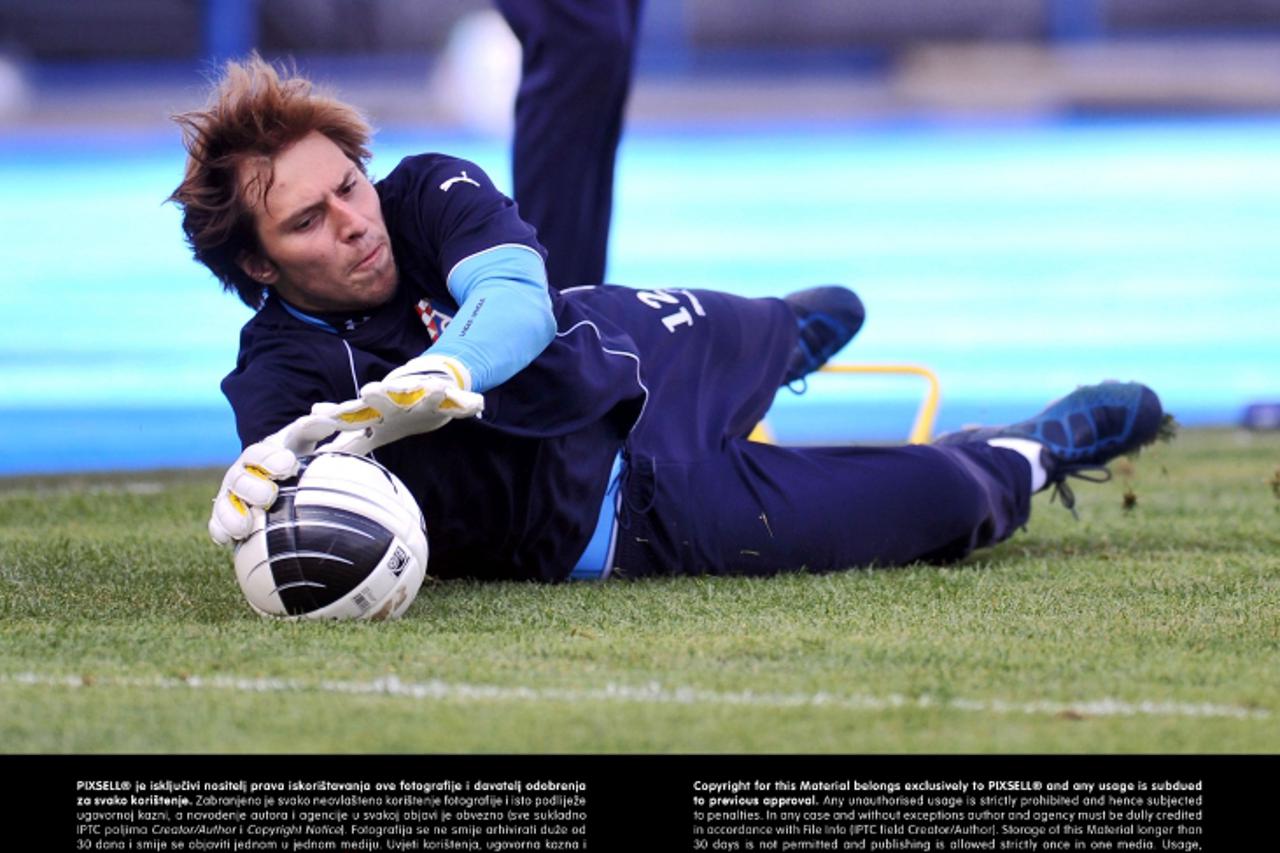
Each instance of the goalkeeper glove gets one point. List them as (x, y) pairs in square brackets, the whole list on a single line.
[(250, 486), (423, 395)]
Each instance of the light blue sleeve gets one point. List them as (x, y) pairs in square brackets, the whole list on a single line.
[(504, 318)]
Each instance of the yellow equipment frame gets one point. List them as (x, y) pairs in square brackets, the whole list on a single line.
[(926, 412)]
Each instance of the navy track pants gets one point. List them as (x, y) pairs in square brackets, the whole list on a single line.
[(699, 498)]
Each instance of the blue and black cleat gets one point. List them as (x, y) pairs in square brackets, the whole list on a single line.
[(828, 318), (1083, 431)]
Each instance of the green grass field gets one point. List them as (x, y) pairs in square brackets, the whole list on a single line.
[(1149, 628)]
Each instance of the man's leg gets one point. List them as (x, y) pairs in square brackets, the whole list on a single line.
[(713, 361), (760, 509), (1078, 434), (578, 58)]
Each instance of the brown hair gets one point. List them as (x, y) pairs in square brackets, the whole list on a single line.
[(253, 113)]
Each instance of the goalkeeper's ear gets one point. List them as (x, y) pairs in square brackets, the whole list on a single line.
[(258, 267)]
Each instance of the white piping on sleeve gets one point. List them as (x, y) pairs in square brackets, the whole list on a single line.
[(355, 383), (351, 360), (639, 379)]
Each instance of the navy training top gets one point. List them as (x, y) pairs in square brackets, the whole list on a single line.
[(515, 494)]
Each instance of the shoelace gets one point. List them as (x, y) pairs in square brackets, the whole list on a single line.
[(1063, 492), (834, 331), (815, 355)]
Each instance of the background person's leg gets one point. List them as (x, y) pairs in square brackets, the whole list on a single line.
[(575, 79)]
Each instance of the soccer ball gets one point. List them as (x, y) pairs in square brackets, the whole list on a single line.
[(343, 540)]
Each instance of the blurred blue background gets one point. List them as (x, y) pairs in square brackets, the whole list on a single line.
[(1028, 194)]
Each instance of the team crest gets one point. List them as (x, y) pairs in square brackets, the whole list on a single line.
[(435, 321)]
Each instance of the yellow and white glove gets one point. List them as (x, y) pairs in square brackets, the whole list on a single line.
[(250, 485), (423, 395)]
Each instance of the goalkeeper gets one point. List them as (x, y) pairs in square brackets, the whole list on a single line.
[(586, 433)]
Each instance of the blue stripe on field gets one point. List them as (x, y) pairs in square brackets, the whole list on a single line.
[(62, 440), (1018, 261)]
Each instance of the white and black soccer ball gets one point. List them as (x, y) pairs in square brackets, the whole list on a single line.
[(344, 540)]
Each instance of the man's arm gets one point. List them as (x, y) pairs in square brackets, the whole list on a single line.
[(505, 318), (494, 271), (504, 322)]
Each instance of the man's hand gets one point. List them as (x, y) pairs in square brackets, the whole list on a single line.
[(423, 395), (250, 486)]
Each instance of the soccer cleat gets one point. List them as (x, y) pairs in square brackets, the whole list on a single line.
[(1082, 432), (828, 318)]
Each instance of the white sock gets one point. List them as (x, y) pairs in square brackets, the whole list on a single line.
[(1030, 450)]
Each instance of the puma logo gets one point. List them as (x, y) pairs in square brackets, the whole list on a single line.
[(460, 179)]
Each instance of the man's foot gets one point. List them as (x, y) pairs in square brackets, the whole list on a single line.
[(1083, 431), (828, 318)]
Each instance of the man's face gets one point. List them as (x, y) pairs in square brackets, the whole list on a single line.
[(324, 243)]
